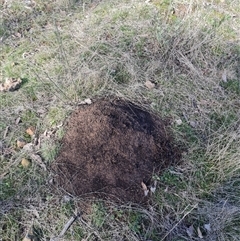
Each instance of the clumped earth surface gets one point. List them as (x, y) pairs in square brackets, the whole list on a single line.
[(110, 148)]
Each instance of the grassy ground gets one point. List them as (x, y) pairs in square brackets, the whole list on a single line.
[(66, 51)]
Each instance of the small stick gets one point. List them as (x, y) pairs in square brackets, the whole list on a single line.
[(178, 222), (66, 227), (6, 132)]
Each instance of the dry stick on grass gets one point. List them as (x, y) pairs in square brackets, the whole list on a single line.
[(6, 132), (179, 222), (66, 227)]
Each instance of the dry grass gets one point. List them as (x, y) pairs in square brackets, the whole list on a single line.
[(66, 51)]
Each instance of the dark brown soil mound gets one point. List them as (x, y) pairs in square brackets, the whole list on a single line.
[(110, 147)]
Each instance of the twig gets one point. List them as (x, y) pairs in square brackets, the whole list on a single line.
[(66, 227), (6, 132), (178, 222)]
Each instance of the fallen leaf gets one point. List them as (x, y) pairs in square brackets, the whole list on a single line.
[(11, 84), (30, 237), (166, 189), (21, 143), (190, 231), (28, 147), (192, 124), (224, 76), (34, 211), (146, 192), (178, 122), (25, 162), (66, 199), (149, 84), (14, 64), (39, 161), (153, 188), (18, 120), (207, 226), (18, 35), (31, 131), (145, 189), (199, 233), (87, 101), (27, 239)]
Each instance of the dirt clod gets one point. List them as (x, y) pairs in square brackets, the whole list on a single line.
[(110, 148)]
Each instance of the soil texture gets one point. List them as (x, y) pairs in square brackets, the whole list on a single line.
[(110, 148)]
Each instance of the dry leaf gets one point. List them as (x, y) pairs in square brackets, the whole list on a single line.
[(34, 211), (146, 192), (145, 189), (178, 122), (87, 101), (21, 143), (18, 35), (199, 233), (192, 124), (30, 237), (149, 84), (190, 231), (25, 162), (207, 226), (27, 239), (224, 76), (11, 84), (153, 188), (39, 161), (29, 148), (31, 131), (18, 120)]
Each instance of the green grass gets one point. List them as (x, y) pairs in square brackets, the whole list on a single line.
[(66, 51)]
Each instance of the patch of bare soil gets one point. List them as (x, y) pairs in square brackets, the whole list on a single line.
[(110, 148)]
